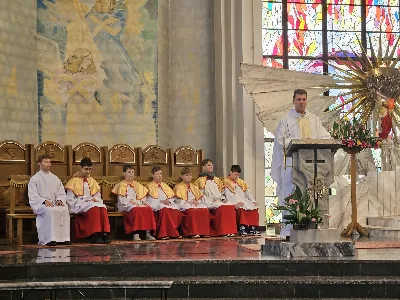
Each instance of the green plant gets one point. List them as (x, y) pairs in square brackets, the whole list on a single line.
[(299, 209)]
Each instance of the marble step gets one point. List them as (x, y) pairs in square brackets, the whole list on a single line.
[(253, 287), (392, 222), (383, 232)]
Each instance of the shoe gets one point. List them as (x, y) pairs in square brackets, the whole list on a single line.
[(195, 236), (136, 237), (105, 239), (149, 237), (205, 236), (98, 240), (242, 230), (66, 243), (253, 231), (52, 243)]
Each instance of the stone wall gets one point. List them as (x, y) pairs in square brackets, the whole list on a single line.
[(18, 83)]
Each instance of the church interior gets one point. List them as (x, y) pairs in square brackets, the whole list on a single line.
[(171, 87)]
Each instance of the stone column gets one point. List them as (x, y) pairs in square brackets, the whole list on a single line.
[(239, 133)]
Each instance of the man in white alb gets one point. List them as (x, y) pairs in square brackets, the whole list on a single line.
[(299, 123), (47, 199)]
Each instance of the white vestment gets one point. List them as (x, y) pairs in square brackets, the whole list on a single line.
[(293, 126), (125, 204), (156, 204), (52, 223), (186, 204), (212, 195), (241, 196), (81, 204)]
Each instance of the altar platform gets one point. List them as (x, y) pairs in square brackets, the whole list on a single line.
[(214, 268)]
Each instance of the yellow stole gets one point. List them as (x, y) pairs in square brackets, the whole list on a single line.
[(229, 184), (182, 190), (201, 182), (305, 128), (153, 190), (75, 184), (121, 189)]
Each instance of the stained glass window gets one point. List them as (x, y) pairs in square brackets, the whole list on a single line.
[(313, 35)]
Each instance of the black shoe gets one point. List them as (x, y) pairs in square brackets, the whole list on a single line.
[(65, 243), (52, 243), (105, 239), (253, 231), (242, 230)]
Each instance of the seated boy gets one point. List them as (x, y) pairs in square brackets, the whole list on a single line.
[(196, 217), (132, 200), (238, 193)]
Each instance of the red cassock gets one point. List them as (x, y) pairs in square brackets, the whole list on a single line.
[(139, 218), (93, 221), (168, 221), (247, 217), (196, 221), (223, 220)]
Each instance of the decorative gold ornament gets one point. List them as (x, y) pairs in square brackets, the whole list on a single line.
[(373, 82)]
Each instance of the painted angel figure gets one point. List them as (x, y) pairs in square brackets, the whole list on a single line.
[(106, 24)]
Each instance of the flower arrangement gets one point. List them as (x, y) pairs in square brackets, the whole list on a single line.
[(354, 135), (300, 210)]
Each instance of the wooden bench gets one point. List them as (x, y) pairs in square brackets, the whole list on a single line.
[(20, 217), (54, 286)]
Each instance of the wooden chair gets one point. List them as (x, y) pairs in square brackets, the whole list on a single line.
[(94, 153)]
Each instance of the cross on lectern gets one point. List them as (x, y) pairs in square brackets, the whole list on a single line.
[(317, 184)]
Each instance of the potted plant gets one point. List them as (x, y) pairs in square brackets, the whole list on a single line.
[(300, 211)]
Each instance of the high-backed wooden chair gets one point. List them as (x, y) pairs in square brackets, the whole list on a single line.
[(117, 157), (61, 158), (94, 153), (153, 155), (15, 159), (186, 156)]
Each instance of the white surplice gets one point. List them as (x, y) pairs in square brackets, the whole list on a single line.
[(241, 196), (52, 222), (156, 205), (213, 197), (81, 204), (187, 204), (124, 202), (293, 126)]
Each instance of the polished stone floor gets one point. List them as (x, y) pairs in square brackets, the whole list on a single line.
[(175, 250)]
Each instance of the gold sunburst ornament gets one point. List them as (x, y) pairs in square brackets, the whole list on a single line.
[(373, 83)]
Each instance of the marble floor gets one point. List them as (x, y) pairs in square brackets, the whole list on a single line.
[(247, 248)]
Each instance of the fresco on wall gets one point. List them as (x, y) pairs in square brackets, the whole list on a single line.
[(97, 71)]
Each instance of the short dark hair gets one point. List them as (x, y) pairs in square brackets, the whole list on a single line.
[(205, 161), (127, 167), (86, 162), (236, 168), (155, 169), (43, 156), (299, 92), (185, 170)]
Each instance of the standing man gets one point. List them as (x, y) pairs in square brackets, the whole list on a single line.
[(299, 123), (48, 201)]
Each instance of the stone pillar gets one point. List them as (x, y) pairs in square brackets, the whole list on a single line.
[(239, 133), (191, 84)]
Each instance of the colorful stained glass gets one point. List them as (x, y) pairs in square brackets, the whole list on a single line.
[(268, 147), (306, 65), (272, 42), (386, 39), (268, 134), (344, 2), (303, 16), (272, 15), (343, 41), (304, 43), (272, 215), (272, 62), (270, 185), (382, 2), (305, 1), (383, 18), (344, 17)]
